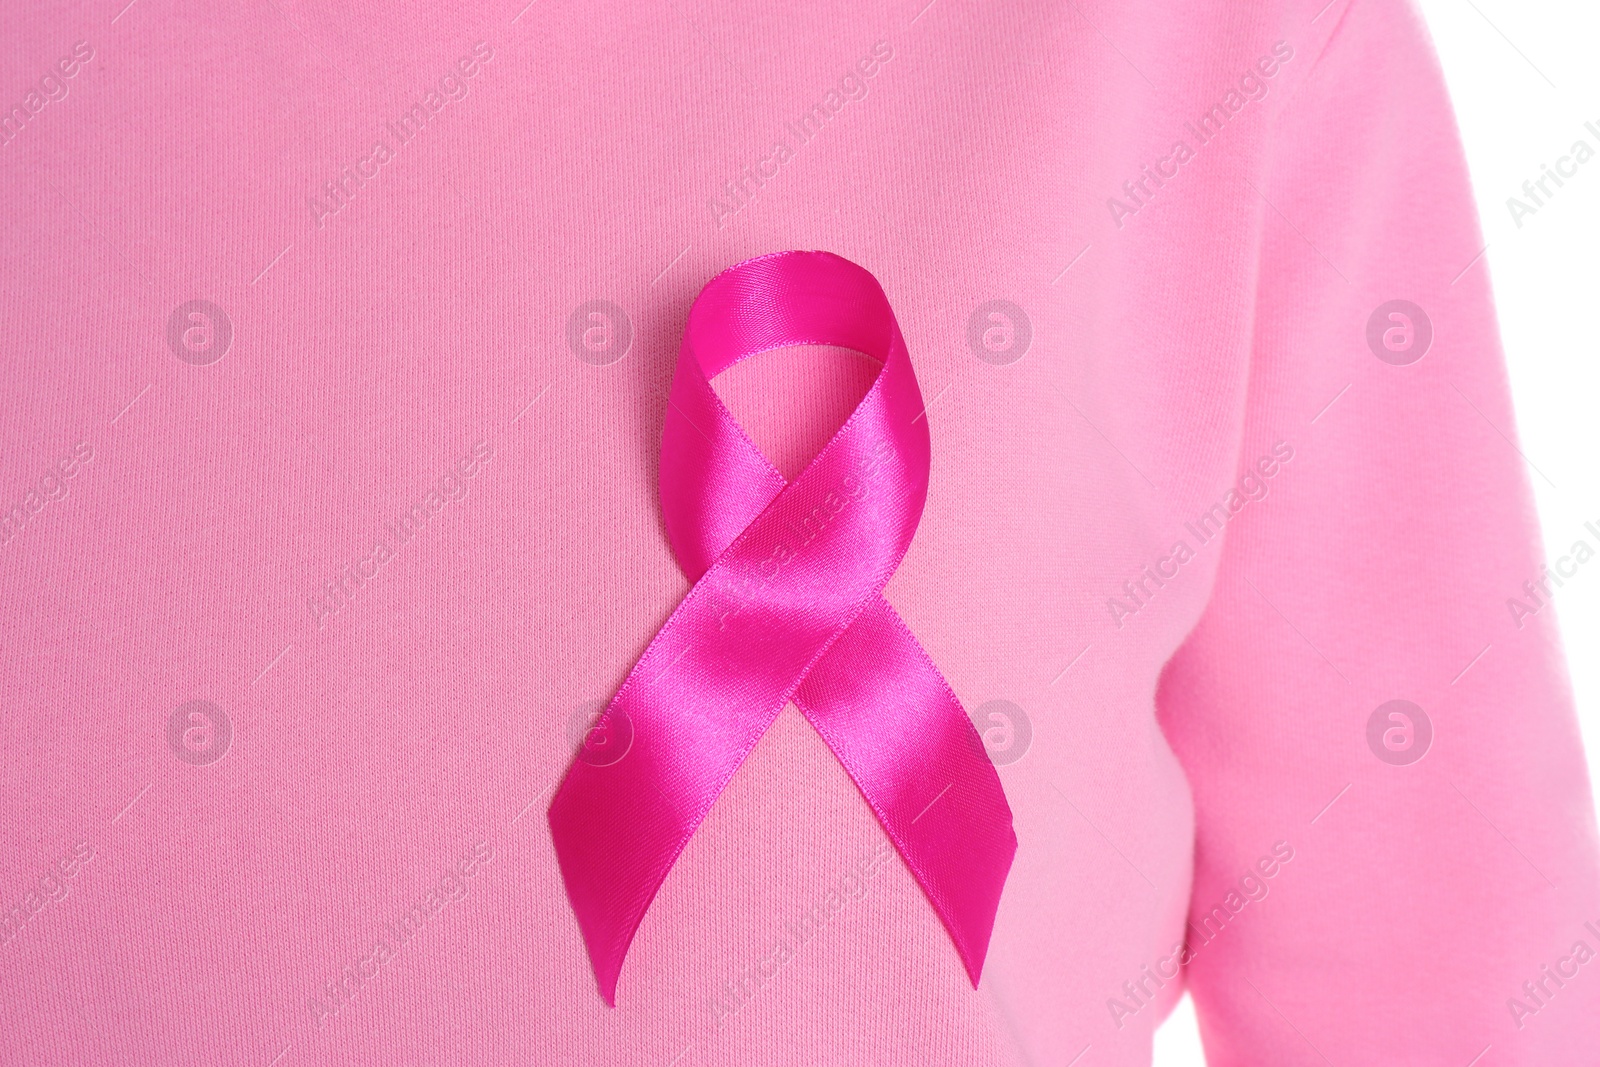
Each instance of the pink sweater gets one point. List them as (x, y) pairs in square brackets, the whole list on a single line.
[(336, 349)]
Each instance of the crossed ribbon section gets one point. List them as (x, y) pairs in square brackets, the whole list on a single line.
[(786, 605)]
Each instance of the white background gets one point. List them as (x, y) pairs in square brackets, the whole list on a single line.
[(1525, 77)]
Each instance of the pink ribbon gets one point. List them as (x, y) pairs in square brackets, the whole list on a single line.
[(786, 605)]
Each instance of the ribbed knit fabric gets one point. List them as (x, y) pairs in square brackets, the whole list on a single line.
[(335, 349)]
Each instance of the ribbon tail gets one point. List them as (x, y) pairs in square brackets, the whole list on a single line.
[(619, 821), (614, 853), (892, 721)]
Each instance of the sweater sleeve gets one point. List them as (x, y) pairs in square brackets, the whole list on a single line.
[(1395, 855)]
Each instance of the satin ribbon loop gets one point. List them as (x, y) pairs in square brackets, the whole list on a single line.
[(786, 605)]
